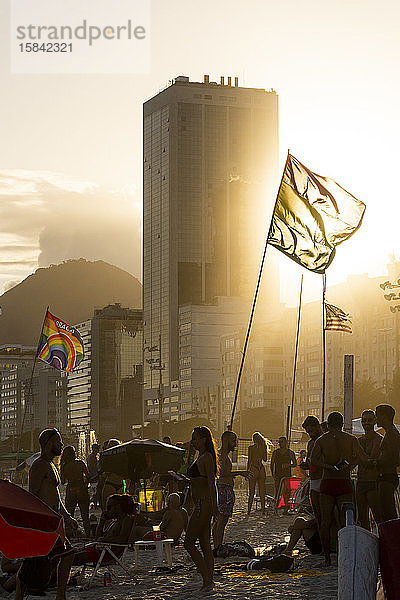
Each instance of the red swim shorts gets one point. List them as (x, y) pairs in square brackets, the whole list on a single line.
[(336, 487)]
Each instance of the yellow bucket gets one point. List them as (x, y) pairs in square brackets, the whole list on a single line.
[(153, 501)]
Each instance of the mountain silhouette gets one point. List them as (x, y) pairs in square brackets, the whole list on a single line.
[(72, 290)]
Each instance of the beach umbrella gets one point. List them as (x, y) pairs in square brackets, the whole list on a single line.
[(22, 454), (141, 458), (357, 428), (28, 527), (27, 463)]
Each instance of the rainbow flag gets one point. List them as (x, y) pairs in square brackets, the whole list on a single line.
[(60, 344)]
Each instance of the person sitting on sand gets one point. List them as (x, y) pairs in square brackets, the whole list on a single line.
[(175, 518), (115, 526), (307, 528), (174, 521), (337, 453)]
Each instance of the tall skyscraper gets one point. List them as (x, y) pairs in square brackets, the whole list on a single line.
[(210, 168)]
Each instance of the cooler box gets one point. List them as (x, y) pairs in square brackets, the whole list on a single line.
[(151, 500), (389, 556)]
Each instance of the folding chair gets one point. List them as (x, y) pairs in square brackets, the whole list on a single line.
[(108, 550), (301, 499)]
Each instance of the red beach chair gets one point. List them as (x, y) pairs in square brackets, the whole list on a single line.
[(287, 491)]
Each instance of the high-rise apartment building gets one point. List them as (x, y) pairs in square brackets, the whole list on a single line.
[(46, 400), (29, 401), (105, 391), (375, 344), (210, 172), (79, 393), (15, 365), (263, 378), (200, 329)]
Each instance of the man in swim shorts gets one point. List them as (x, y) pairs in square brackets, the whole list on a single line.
[(44, 482), (366, 487), (336, 453)]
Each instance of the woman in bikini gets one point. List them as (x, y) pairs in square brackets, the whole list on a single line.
[(257, 453), (202, 474), (74, 473)]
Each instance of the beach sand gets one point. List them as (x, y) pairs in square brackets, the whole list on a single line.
[(309, 580)]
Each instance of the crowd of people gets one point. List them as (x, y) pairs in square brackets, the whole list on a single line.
[(325, 466), (116, 525), (332, 456)]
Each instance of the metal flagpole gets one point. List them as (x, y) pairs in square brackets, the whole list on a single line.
[(254, 303), (287, 422), (160, 393), (323, 347), (295, 362)]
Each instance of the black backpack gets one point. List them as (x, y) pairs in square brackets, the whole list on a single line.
[(234, 549), (276, 564)]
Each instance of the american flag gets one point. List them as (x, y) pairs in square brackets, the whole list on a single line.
[(336, 319)]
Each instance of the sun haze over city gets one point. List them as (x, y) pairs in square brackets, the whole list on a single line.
[(181, 326), (333, 65)]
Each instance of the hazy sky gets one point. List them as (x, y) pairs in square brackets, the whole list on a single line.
[(334, 64)]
